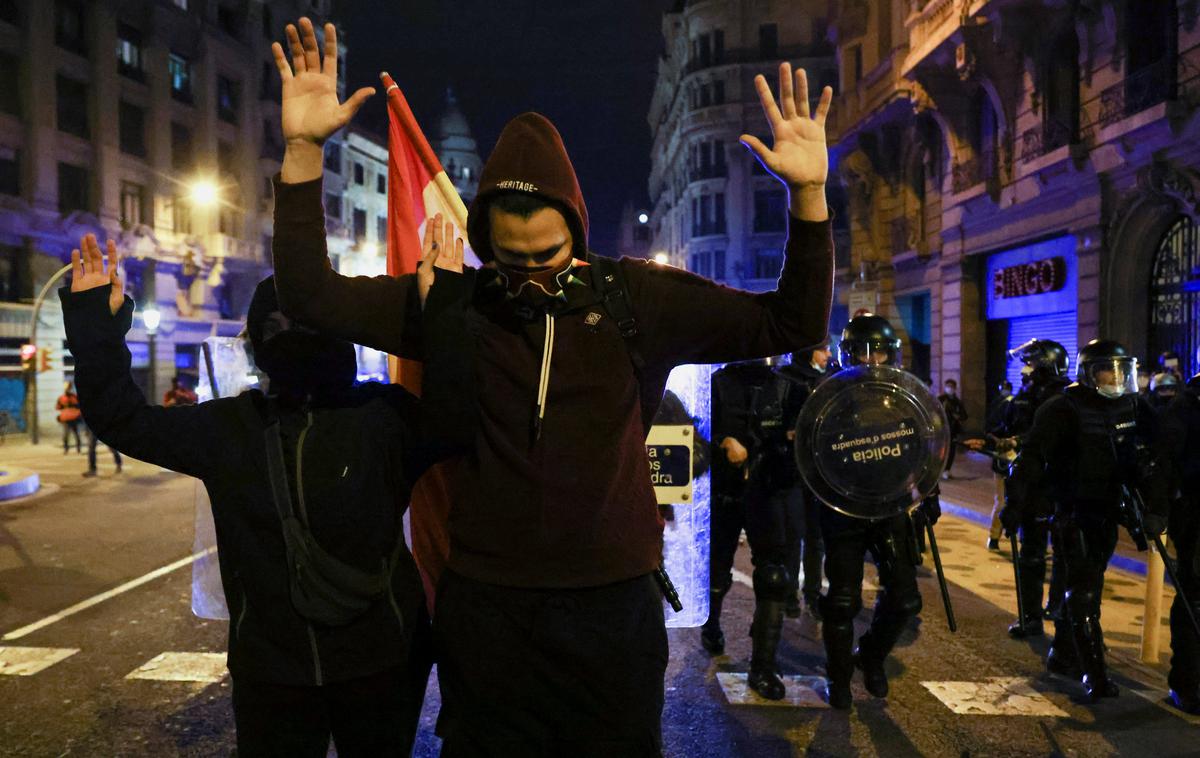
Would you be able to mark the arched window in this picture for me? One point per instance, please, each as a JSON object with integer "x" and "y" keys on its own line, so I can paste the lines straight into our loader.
{"x": 1061, "y": 115}
{"x": 1175, "y": 295}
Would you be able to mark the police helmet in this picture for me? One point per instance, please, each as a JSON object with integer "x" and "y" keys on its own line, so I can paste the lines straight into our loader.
{"x": 869, "y": 339}
{"x": 1048, "y": 355}
{"x": 1107, "y": 367}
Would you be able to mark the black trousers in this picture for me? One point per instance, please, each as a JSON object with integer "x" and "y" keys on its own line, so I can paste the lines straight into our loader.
{"x": 550, "y": 672}
{"x": 69, "y": 428}
{"x": 1185, "y": 647}
{"x": 370, "y": 716}
{"x": 805, "y": 545}
{"x": 1086, "y": 546}
{"x": 92, "y": 443}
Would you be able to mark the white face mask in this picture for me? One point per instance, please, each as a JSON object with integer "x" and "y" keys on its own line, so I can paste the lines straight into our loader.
{"x": 1110, "y": 390}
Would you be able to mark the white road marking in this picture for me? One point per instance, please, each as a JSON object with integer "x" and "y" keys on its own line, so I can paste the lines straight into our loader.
{"x": 97, "y": 599}
{"x": 997, "y": 696}
{"x": 27, "y": 661}
{"x": 182, "y": 667}
{"x": 802, "y": 691}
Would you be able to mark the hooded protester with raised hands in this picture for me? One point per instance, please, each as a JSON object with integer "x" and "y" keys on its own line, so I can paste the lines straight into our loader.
{"x": 308, "y": 483}
{"x": 549, "y": 624}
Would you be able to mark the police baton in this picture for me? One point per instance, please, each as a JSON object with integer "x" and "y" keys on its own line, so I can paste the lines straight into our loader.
{"x": 1016, "y": 562}
{"x": 941, "y": 577}
{"x": 1134, "y": 497}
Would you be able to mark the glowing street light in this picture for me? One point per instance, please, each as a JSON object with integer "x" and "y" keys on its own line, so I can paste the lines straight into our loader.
{"x": 662, "y": 258}
{"x": 643, "y": 218}
{"x": 369, "y": 249}
{"x": 204, "y": 193}
{"x": 151, "y": 317}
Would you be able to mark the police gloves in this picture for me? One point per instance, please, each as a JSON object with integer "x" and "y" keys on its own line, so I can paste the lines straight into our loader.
{"x": 1010, "y": 517}
{"x": 1154, "y": 524}
{"x": 928, "y": 512}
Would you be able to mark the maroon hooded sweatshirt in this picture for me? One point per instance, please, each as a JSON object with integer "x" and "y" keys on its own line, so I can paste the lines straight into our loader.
{"x": 572, "y": 505}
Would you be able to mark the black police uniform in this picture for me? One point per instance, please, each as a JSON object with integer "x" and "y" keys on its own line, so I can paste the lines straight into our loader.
{"x": 1036, "y": 512}
{"x": 1181, "y": 439}
{"x": 747, "y": 403}
{"x": 892, "y": 545}
{"x": 804, "y": 508}
{"x": 1082, "y": 448}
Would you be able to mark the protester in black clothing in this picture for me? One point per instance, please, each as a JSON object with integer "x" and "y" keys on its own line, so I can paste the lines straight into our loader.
{"x": 869, "y": 340}
{"x": 753, "y": 474}
{"x": 956, "y": 412}
{"x": 805, "y": 547}
{"x": 1085, "y": 445}
{"x": 1000, "y": 461}
{"x": 92, "y": 444}
{"x": 1180, "y": 426}
{"x": 315, "y": 475}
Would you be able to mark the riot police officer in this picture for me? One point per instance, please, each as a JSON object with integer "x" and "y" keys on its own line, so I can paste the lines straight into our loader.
{"x": 1046, "y": 361}
{"x": 805, "y": 546}
{"x": 868, "y": 340}
{"x": 1181, "y": 441}
{"x": 752, "y": 473}
{"x": 1085, "y": 446}
{"x": 1164, "y": 386}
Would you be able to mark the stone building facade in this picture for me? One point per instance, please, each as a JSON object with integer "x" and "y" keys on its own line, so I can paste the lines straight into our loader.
{"x": 1017, "y": 169}
{"x": 111, "y": 114}
{"x": 713, "y": 210}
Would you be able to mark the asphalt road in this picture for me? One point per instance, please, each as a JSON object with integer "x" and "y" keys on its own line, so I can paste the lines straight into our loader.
{"x": 82, "y": 538}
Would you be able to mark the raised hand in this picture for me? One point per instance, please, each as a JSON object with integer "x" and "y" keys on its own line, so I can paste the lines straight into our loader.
{"x": 438, "y": 252}
{"x": 798, "y": 156}
{"x": 311, "y": 111}
{"x": 88, "y": 272}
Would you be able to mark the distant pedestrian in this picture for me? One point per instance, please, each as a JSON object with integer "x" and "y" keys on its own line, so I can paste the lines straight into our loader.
{"x": 957, "y": 414}
{"x": 70, "y": 417}
{"x": 179, "y": 394}
{"x": 92, "y": 443}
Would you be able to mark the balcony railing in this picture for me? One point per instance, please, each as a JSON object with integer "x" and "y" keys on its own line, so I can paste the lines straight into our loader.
{"x": 900, "y": 234}
{"x": 716, "y": 171}
{"x": 1049, "y": 136}
{"x": 754, "y": 55}
{"x": 966, "y": 174}
{"x": 1138, "y": 91}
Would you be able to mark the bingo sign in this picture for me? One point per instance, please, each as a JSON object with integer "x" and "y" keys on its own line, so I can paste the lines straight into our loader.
{"x": 669, "y": 450}
{"x": 1033, "y": 280}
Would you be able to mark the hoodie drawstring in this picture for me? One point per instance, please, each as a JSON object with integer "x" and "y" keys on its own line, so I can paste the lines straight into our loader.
{"x": 544, "y": 377}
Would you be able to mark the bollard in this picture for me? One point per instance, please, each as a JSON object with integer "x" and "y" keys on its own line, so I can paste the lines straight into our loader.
{"x": 1152, "y": 612}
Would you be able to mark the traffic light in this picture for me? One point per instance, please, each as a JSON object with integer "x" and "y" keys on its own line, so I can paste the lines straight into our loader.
{"x": 28, "y": 355}
{"x": 44, "y": 359}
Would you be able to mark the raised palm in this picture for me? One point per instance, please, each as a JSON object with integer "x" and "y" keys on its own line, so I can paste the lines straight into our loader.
{"x": 88, "y": 272}
{"x": 310, "y": 108}
{"x": 798, "y": 156}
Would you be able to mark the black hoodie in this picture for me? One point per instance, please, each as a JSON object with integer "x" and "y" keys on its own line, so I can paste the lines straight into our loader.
{"x": 573, "y": 506}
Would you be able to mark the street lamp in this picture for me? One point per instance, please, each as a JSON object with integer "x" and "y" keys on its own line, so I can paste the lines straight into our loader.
{"x": 205, "y": 193}
{"x": 662, "y": 259}
{"x": 643, "y": 218}
{"x": 151, "y": 318}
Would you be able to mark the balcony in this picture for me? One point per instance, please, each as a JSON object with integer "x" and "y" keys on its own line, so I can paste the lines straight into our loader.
{"x": 226, "y": 246}
{"x": 1137, "y": 92}
{"x": 966, "y": 174}
{"x": 718, "y": 171}
{"x": 1046, "y": 138}
{"x": 754, "y": 55}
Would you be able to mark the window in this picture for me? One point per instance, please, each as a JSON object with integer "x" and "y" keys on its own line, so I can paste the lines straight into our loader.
{"x": 72, "y": 107}
{"x": 770, "y": 211}
{"x": 719, "y": 92}
{"x": 10, "y": 171}
{"x": 74, "y": 188}
{"x": 230, "y": 21}
{"x": 1061, "y": 114}
{"x": 360, "y": 224}
{"x": 179, "y": 210}
{"x": 10, "y": 84}
{"x": 767, "y": 264}
{"x": 718, "y": 46}
{"x": 227, "y": 100}
{"x": 718, "y": 265}
{"x": 268, "y": 26}
{"x": 701, "y": 263}
{"x": 856, "y": 58}
{"x": 229, "y": 221}
{"x": 333, "y": 206}
{"x": 719, "y": 213}
{"x": 181, "y": 147}
{"x": 381, "y": 229}
{"x": 272, "y": 141}
{"x": 69, "y": 32}
{"x": 359, "y": 174}
{"x": 180, "y": 71}
{"x": 134, "y": 208}
{"x": 333, "y": 158}
{"x": 768, "y": 41}
{"x": 131, "y": 125}
{"x": 129, "y": 52}
{"x": 226, "y": 158}
{"x": 381, "y": 182}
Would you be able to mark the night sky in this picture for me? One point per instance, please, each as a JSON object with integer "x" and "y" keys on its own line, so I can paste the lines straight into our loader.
{"x": 588, "y": 65}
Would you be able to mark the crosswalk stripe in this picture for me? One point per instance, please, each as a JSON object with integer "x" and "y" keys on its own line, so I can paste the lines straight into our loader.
{"x": 802, "y": 691}
{"x": 182, "y": 667}
{"x": 995, "y": 696}
{"x": 27, "y": 661}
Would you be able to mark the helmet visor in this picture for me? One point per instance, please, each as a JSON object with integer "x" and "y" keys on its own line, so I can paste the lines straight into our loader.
{"x": 869, "y": 353}
{"x": 1111, "y": 377}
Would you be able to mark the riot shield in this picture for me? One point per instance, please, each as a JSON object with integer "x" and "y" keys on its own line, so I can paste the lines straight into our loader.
{"x": 871, "y": 441}
{"x": 225, "y": 370}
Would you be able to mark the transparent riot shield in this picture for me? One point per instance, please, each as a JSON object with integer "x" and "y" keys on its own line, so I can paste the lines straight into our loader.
{"x": 686, "y": 534}
{"x": 225, "y": 370}
{"x": 871, "y": 441}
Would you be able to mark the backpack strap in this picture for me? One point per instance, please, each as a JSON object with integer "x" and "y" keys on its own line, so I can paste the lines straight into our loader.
{"x": 608, "y": 282}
